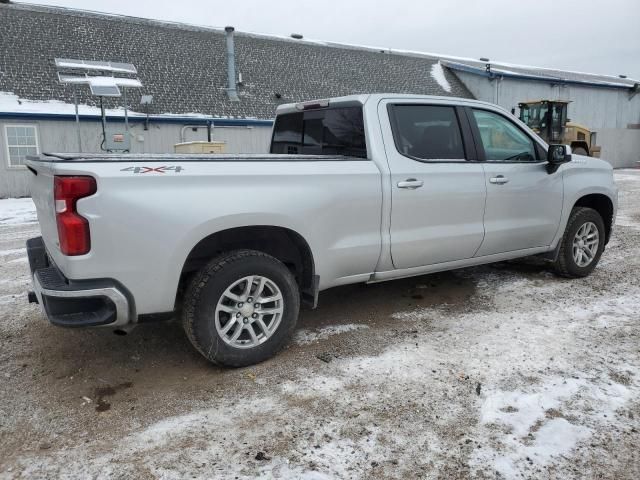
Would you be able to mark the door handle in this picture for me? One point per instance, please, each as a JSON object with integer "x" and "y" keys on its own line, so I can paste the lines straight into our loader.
{"x": 411, "y": 184}
{"x": 499, "y": 180}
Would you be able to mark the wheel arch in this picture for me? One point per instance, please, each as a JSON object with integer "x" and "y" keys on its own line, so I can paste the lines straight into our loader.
{"x": 282, "y": 243}
{"x": 602, "y": 204}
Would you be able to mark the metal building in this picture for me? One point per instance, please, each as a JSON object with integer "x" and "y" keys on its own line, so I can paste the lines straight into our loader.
{"x": 233, "y": 82}
{"x": 608, "y": 105}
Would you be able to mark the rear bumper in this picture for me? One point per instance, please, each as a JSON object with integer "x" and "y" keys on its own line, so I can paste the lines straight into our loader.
{"x": 76, "y": 303}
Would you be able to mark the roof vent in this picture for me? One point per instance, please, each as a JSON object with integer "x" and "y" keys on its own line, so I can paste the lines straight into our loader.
{"x": 297, "y": 36}
{"x": 231, "y": 65}
{"x": 483, "y": 59}
{"x": 622, "y": 76}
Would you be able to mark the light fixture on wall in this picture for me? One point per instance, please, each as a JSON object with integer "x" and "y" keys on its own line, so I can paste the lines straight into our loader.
{"x": 146, "y": 101}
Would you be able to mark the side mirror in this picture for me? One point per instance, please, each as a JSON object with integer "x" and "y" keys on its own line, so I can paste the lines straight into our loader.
{"x": 557, "y": 155}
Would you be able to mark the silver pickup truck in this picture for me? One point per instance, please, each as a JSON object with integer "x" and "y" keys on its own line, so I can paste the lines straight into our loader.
{"x": 363, "y": 188}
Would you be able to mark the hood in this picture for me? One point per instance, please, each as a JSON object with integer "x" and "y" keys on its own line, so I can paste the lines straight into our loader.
{"x": 592, "y": 163}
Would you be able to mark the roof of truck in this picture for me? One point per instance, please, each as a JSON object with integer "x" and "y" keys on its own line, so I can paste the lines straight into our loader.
{"x": 376, "y": 97}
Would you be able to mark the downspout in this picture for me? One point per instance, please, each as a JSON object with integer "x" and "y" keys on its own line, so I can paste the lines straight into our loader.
{"x": 231, "y": 66}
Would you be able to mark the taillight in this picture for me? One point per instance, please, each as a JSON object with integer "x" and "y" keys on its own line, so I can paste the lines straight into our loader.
{"x": 73, "y": 229}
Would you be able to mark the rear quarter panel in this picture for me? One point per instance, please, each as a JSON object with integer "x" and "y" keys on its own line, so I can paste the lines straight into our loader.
{"x": 143, "y": 226}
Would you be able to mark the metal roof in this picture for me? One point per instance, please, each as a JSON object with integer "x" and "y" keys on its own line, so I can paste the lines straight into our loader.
{"x": 507, "y": 70}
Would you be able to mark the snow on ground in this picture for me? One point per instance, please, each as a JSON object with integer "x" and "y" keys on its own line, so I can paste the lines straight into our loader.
{"x": 503, "y": 371}
{"x": 303, "y": 337}
{"x": 12, "y": 251}
{"x": 517, "y": 426}
{"x": 17, "y": 211}
{"x": 437, "y": 73}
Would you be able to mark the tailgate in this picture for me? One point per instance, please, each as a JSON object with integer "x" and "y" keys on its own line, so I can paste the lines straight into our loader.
{"x": 42, "y": 195}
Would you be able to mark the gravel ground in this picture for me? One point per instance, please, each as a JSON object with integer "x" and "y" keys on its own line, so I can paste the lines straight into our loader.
{"x": 502, "y": 371}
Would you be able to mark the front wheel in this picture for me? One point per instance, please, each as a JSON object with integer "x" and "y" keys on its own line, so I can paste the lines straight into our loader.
{"x": 241, "y": 308}
{"x": 582, "y": 243}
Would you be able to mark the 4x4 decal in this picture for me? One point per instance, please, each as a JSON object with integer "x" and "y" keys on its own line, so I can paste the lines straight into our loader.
{"x": 163, "y": 169}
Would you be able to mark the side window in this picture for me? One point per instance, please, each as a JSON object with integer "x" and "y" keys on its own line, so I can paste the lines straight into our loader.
{"x": 22, "y": 140}
{"x": 287, "y": 134}
{"x": 427, "y": 132}
{"x": 502, "y": 140}
{"x": 332, "y": 131}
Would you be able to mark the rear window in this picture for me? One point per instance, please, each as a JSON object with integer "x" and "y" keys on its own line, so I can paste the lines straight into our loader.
{"x": 427, "y": 132}
{"x": 332, "y": 131}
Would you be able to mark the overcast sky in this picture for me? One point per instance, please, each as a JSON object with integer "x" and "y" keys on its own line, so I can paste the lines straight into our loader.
{"x": 586, "y": 35}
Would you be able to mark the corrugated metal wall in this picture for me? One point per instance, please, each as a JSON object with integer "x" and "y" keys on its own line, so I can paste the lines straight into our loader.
{"x": 61, "y": 136}
{"x": 604, "y": 110}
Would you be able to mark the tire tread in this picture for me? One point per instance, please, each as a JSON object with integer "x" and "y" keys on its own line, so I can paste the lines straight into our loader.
{"x": 562, "y": 266}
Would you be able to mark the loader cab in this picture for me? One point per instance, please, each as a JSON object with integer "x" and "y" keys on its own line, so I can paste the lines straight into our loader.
{"x": 545, "y": 117}
{"x": 548, "y": 118}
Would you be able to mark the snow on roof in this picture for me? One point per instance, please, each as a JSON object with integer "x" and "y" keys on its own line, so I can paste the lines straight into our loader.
{"x": 100, "y": 80}
{"x": 10, "y": 103}
{"x": 437, "y": 73}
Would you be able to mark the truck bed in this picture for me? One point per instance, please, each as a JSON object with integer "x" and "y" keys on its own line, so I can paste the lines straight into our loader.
{"x": 146, "y": 218}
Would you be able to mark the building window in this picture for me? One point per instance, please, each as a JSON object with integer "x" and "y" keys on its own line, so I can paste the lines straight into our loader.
{"x": 22, "y": 140}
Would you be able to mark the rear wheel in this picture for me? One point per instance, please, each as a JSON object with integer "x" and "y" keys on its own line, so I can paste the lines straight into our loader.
{"x": 582, "y": 243}
{"x": 241, "y": 308}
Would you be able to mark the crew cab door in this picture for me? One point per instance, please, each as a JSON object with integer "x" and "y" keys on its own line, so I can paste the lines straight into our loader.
{"x": 437, "y": 194}
{"x": 524, "y": 202}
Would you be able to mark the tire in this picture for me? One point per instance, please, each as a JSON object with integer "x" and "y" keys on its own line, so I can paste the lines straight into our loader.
{"x": 580, "y": 151}
{"x": 211, "y": 301}
{"x": 566, "y": 264}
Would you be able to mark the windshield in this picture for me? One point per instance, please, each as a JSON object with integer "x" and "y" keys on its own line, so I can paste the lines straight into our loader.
{"x": 534, "y": 116}
{"x": 330, "y": 131}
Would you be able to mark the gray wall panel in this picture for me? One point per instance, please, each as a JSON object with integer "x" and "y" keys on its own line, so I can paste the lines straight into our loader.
{"x": 61, "y": 136}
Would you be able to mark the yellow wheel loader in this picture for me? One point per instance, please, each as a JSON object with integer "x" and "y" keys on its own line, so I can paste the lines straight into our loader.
{"x": 548, "y": 118}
